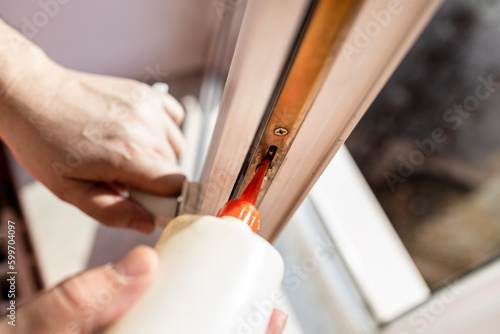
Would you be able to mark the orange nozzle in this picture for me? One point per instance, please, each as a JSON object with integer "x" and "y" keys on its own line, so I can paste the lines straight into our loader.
{"x": 244, "y": 208}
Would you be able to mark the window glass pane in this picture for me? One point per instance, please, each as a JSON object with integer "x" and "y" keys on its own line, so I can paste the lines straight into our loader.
{"x": 429, "y": 144}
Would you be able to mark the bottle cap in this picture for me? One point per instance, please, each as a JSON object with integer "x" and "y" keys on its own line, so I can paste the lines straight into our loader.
{"x": 244, "y": 211}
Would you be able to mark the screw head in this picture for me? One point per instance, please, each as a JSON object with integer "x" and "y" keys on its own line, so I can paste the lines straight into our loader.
{"x": 280, "y": 131}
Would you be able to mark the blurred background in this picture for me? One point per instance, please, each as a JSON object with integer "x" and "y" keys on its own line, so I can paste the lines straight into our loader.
{"x": 429, "y": 146}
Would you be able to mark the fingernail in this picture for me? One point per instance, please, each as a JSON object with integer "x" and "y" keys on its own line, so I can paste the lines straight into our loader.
{"x": 132, "y": 265}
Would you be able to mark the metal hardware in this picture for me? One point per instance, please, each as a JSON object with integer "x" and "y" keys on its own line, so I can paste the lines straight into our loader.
{"x": 280, "y": 131}
{"x": 304, "y": 76}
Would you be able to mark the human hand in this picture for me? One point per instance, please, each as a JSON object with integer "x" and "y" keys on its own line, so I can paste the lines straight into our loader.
{"x": 88, "y": 137}
{"x": 89, "y": 301}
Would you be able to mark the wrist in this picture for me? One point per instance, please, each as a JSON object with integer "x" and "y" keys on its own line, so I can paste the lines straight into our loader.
{"x": 22, "y": 66}
{"x": 24, "y": 84}
{"x": 18, "y": 56}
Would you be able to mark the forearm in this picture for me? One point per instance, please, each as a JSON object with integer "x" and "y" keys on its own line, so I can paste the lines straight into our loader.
{"x": 24, "y": 68}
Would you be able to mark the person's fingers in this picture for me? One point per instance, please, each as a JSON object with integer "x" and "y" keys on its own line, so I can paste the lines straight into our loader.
{"x": 277, "y": 322}
{"x": 173, "y": 108}
{"x": 175, "y": 137}
{"x": 155, "y": 175}
{"x": 107, "y": 206}
{"x": 92, "y": 300}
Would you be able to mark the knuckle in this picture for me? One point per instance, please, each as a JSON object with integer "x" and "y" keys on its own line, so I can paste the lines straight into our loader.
{"x": 181, "y": 112}
{"x": 73, "y": 293}
{"x": 128, "y": 153}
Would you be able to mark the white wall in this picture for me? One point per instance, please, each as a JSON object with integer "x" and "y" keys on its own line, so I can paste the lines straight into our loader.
{"x": 118, "y": 37}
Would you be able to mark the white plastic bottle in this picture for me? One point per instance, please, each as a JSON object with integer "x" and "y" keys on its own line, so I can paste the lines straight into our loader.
{"x": 215, "y": 276}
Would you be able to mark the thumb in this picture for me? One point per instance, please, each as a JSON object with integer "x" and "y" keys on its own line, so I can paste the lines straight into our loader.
{"x": 99, "y": 201}
{"x": 92, "y": 300}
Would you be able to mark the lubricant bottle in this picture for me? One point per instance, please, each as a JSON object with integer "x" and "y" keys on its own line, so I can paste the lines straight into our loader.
{"x": 215, "y": 274}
